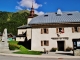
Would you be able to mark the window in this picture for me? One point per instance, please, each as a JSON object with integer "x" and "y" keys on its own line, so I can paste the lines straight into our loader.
{"x": 75, "y": 29}
{"x": 45, "y": 43}
{"x": 44, "y": 31}
{"x": 59, "y": 30}
{"x": 69, "y": 14}
{"x": 45, "y": 15}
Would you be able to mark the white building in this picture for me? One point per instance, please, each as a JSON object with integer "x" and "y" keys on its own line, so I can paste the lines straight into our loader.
{"x": 56, "y": 29}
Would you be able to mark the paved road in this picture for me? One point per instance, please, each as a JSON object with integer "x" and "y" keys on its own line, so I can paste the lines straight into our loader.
{"x": 21, "y": 58}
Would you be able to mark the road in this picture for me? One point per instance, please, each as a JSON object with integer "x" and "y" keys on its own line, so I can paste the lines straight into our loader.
{"x": 22, "y": 58}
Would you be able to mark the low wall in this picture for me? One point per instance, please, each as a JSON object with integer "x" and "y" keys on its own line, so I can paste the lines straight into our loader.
{"x": 77, "y": 52}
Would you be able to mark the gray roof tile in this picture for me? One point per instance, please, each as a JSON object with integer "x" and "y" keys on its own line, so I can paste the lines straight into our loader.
{"x": 23, "y": 26}
{"x": 53, "y": 18}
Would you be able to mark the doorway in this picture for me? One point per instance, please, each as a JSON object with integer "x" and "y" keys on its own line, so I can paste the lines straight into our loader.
{"x": 60, "y": 45}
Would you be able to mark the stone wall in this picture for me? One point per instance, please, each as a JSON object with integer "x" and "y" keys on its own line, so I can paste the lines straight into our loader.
{"x": 77, "y": 52}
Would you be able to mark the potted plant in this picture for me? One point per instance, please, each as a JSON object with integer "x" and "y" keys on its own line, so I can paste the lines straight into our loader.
{"x": 69, "y": 49}
{"x": 53, "y": 49}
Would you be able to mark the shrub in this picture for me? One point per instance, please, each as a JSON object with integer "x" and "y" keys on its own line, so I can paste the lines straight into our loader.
{"x": 69, "y": 49}
{"x": 13, "y": 46}
{"x": 53, "y": 49}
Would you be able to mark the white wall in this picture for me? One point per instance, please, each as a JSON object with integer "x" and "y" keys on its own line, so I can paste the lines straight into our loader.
{"x": 37, "y": 37}
{"x": 21, "y": 30}
{"x": 29, "y": 19}
{"x": 20, "y": 38}
{"x": 28, "y": 34}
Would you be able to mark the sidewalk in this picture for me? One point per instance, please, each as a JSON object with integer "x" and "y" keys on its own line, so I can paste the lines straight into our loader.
{"x": 37, "y": 56}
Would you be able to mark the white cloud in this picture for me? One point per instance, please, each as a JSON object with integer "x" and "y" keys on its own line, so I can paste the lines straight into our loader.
{"x": 39, "y": 13}
{"x": 19, "y": 8}
{"x": 28, "y": 4}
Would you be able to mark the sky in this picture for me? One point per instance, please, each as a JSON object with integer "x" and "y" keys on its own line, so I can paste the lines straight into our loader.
{"x": 40, "y": 6}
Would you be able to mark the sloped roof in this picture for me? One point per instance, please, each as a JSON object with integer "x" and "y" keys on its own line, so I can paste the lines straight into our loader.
{"x": 23, "y": 27}
{"x": 65, "y": 17}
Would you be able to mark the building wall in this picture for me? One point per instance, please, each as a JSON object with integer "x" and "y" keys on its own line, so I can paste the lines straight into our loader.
{"x": 28, "y": 34}
{"x": 21, "y": 30}
{"x": 29, "y": 19}
{"x": 37, "y": 37}
{"x": 20, "y": 38}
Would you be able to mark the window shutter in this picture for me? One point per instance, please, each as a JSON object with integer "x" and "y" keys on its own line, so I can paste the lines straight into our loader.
{"x": 41, "y": 43}
{"x": 56, "y": 30}
{"x": 47, "y": 30}
{"x": 63, "y": 30}
{"x": 41, "y": 31}
{"x": 78, "y": 29}
{"x": 47, "y": 43}
{"x": 73, "y": 30}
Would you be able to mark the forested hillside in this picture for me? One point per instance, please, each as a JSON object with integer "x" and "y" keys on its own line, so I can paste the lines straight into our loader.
{"x": 12, "y": 20}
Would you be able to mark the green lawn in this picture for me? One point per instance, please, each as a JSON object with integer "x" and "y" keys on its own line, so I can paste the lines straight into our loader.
{"x": 22, "y": 49}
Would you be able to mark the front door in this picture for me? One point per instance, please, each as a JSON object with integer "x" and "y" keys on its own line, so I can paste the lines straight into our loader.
{"x": 60, "y": 45}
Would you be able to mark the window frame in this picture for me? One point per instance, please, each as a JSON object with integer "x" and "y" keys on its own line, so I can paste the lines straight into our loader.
{"x": 73, "y": 29}
{"x": 58, "y": 31}
{"x": 44, "y": 42}
{"x": 43, "y": 31}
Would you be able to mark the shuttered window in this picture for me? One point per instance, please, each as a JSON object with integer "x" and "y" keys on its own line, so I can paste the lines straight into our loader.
{"x": 41, "y": 43}
{"x": 75, "y": 29}
{"x": 41, "y": 31}
{"x": 56, "y": 30}
{"x": 59, "y": 30}
{"x": 78, "y": 29}
{"x": 45, "y": 43}
{"x": 44, "y": 31}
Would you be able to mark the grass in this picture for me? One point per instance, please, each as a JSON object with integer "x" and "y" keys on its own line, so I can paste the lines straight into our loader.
{"x": 23, "y": 50}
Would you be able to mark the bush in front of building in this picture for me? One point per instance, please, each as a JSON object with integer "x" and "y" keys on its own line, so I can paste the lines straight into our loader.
{"x": 13, "y": 46}
{"x": 69, "y": 49}
{"x": 53, "y": 49}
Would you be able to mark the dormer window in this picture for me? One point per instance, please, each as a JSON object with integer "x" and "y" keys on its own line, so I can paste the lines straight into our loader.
{"x": 69, "y": 14}
{"x": 45, "y": 15}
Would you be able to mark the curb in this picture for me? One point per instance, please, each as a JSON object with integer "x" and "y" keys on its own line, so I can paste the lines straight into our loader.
{"x": 38, "y": 56}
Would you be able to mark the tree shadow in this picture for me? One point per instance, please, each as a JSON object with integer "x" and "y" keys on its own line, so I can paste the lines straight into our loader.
{"x": 26, "y": 43}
